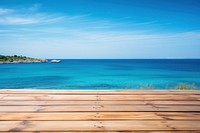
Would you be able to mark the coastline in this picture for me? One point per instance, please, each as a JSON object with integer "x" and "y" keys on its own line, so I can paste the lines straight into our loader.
{"x": 15, "y": 59}
{"x": 24, "y": 62}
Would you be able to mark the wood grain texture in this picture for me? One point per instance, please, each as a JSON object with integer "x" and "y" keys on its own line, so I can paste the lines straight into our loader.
{"x": 101, "y": 92}
{"x": 97, "y": 125}
{"x": 99, "y": 108}
{"x": 115, "y": 111}
{"x": 52, "y": 97}
{"x": 113, "y": 132}
{"x": 99, "y": 116}
{"x": 79, "y": 102}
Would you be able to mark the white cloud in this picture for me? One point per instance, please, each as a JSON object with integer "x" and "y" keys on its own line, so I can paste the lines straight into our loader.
{"x": 82, "y": 36}
{"x": 5, "y": 11}
{"x": 100, "y": 37}
{"x": 75, "y": 43}
{"x": 17, "y": 20}
{"x": 27, "y": 16}
{"x": 34, "y": 19}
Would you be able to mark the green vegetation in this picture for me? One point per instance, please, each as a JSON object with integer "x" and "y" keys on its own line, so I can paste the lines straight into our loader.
{"x": 184, "y": 86}
{"x": 18, "y": 59}
{"x": 12, "y": 58}
{"x": 181, "y": 86}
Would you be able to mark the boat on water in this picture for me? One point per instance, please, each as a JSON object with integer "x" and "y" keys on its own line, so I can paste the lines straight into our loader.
{"x": 55, "y": 61}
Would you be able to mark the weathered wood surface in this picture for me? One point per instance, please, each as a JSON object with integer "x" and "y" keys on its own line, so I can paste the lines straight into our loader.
{"x": 117, "y": 97}
{"x": 115, "y": 111}
{"x": 68, "y": 116}
{"x": 104, "y": 92}
{"x": 118, "y": 103}
{"x": 112, "y": 132}
{"x": 99, "y": 108}
{"x": 98, "y": 125}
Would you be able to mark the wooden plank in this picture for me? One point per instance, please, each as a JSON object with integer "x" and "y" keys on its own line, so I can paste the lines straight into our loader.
{"x": 100, "y": 116}
{"x": 50, "y": 103}
{"x": 99, "y": 111}
{"x": 97, "y": 125}
{"x": 102, "y": 92}
{"x": 114, "y": 132}
{"x": 98, "y": 108}
{"x": 97, "y": 97}
{"x": 108, "y": 95}
{"x": 182, "y": 102}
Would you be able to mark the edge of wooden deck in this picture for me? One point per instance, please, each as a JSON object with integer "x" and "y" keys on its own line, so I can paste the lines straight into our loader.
{"x": 111, "y": 111}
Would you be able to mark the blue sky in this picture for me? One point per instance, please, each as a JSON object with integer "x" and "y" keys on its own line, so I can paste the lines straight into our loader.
{"x": 100, "y": 28}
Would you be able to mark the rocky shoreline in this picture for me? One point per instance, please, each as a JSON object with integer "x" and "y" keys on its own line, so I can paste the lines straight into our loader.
{"x": 19, "y": 59}
{"x": 18, "y": 62}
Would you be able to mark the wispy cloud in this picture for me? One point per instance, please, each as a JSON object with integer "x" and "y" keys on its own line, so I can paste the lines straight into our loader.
{"x": 33, "y": 15}
{"x": 26, "y": 16}
{"x": 80, "y": 43}
{"x": 87, "y": 35}
{"x": 5, "y": 11}
{"x": 100, "y": 36}
{"x": 34, "y": 19}
{"x": 17, "y": 20}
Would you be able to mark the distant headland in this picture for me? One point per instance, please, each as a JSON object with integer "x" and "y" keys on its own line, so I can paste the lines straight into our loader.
{"x": 19, "y": 59}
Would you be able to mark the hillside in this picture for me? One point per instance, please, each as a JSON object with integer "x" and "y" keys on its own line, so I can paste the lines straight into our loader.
{"x": 19, "y": 59}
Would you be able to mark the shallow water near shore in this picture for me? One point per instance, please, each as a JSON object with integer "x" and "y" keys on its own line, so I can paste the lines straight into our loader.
{"x": 101, "y": 74}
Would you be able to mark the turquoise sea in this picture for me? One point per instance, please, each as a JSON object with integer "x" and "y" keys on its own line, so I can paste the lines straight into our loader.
{"x": 101, "y": 74}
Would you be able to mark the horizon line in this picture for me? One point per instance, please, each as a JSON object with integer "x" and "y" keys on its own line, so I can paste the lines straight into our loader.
{"x": 118, "y": 58}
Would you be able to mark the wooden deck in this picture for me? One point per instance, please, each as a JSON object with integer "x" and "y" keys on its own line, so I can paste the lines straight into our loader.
{"x": 42, "y": 111}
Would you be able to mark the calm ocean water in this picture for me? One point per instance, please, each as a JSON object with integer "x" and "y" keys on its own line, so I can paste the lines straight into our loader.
{"x": 101, "y": 74}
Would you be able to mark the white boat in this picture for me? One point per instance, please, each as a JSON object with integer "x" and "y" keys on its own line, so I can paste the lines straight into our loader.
{"x": 55, "y": 61}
